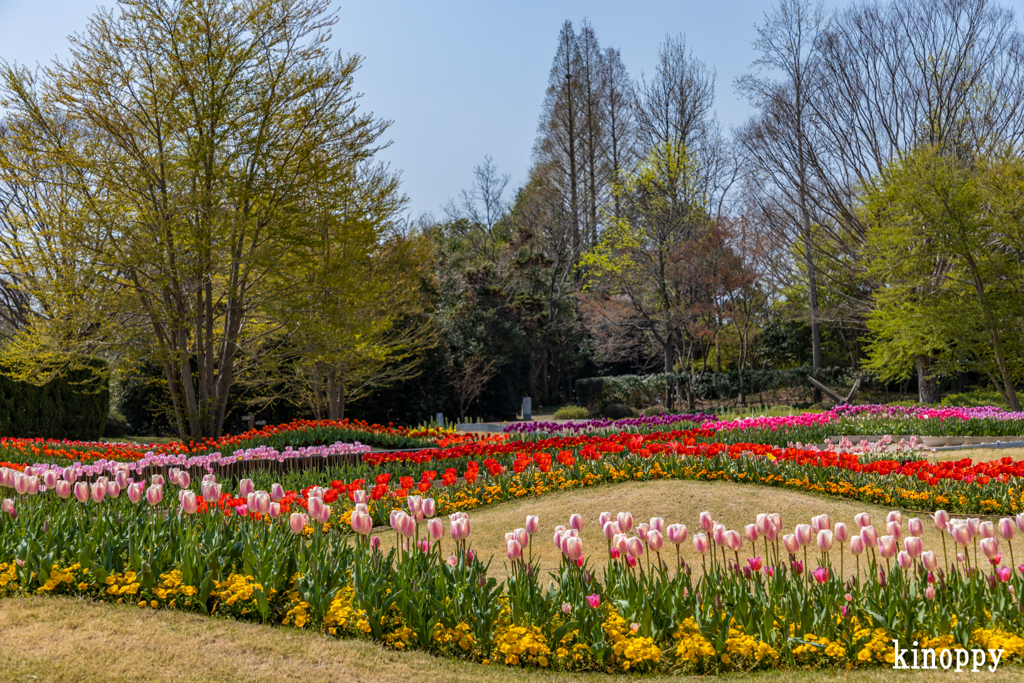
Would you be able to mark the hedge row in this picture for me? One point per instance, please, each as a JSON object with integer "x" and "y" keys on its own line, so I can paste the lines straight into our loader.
{"x": 71, "y": 407}
{"x": 644, "y": 390}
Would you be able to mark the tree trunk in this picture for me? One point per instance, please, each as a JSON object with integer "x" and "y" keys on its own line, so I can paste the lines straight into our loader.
{"x": 927, "y": 387}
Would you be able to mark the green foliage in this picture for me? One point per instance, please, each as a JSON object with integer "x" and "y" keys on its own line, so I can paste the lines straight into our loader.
{"x": 974, "y": 399}
{"x": 654, "y": 410}
{"x": 571, "y": 413}
{"x": 73, "y": 406}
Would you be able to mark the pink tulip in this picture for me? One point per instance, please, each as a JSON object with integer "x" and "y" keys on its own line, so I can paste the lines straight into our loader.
{"x": 1007, "y": 529}
{"x": 276, "y": 492}
{"x": 430, "y": 507}
{"x": 776, "y": 520}
{"x": 791, "y": 543}
{"x": 604, "y": 518}
{"x": 755, "y": 563}
{"x": 361, "y": 522}
{"x": 315, "y": 506}
{"x": 820, "y": 574}
{"x": 677, "y": 533}
{"x": 316, "y": 492}
{"x": 804, "y": 534}
{"x": 940, "y": 519}
{"x": 929, "y": 592}
{"x": 574, "y": 548}
{"x": 262, "y": 502}
{"x": 914, "y": 546}
{"x": 862, "y": 519}
{"x": 98, "y": 491}
{"x": 245, "y": 487}
{"x": 156, "y": 480}
{"x": 20, "y": 483}
{"x": 9, "y": 509}
{"x": 63, "y": 489}
{"x": 113, "y": 489}
{"x": 990, "y": 546}
{"x": 887, "y": 547}
{"x": 625, "y": 521}
{"x": 513, "y": 550}
{"x": 733, "y": 541}
{"x": 751, "y": 532}
{"x": 869, "y": 535}
{"x": 136, "y": 492}
{"x": 842, "y": 533}
{"x": 894, "y": 529}
{"x": 700, "y": 543}
{"x": 658, "y": 524}
{"x": 718, "y": 534}
{"x": 706, "y": 522}
{"x": 904, "y": 560}
{"x": 375, "y": 542}
{"x": 189, "y": 502}
{"x": 184, "y": 480}
{"x": 825, "y": 539}
{"x": 894, "y": 516}
{"x": 415, "y": 504}
{"x": 1004, "y": 574}
{"x": 929, "y": 560}
{"x": 33, "y": 485}
{"x": 82, "y": 491}
{"x": 641, "y": 531}
{"x": 974, "y": 526}
{"x": 154, "y": 494}
{"x": 857, "y": 545}
{"x": 610, "y": 529}
{"x": 915, "y": 527}
{"x": 635, "y": 547}
{"x": 297, "y": 522}
{"x": 820, "y": 522}
{"x": 50, "y": 479}
{"x": 435, "y": 528}
{"x": 532, "y": 524}
{"x": 274, "y": 511}
{"x": 1020, "y": 522}
{"x": 762, "y": 521}
{"x": 961, "y": 534}
{"x": 987, "y": 529}
{"x": 211, "y": 491}
{"x": 621, "y": 543}
{"x": 575, "y": 522}
{"x": 70, "y": 475}
{"x": 521, "y": 536}
{"x": 655, "y": 541}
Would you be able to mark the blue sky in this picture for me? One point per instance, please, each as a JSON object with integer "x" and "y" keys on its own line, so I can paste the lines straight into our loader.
{"x": 461, "y": 79}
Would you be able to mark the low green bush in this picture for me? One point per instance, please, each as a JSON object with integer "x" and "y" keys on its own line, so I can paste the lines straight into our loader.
{"x": 572, "y": 413}
{"x": 656, "y": 409}
{"x": 974, "y": 399}
{"x": 618, "y": 411}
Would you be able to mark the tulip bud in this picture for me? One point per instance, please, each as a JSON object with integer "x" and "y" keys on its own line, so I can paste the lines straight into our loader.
{"x": 929, "y": 592}
{"x": 154, "y": 494}
{"x": 297, "y": 522}
{"x": 532, "y": 524}
{"x": 706, "y": 522}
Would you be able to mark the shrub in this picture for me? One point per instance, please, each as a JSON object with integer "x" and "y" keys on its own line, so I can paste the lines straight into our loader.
{"x": 117, "y": 425}
{"x": 572, "y": 413}
{"x": 74, "y": 406}
{"x": 656, "y": 409}
{"x": 618, "y": 411}
{"x": 974, "y": 399}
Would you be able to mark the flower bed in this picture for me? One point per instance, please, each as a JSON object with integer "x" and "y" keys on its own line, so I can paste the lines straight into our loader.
{"x": 635, "y": 603}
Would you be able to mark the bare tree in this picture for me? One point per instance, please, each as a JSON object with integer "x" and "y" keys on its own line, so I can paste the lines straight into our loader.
{"x": 480, "y": 209}
{"x": 620, "y": 131}
{"x": 779, "y": 141}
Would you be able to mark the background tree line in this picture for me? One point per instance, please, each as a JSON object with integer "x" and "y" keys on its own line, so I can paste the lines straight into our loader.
{"x": 194, "y": 198}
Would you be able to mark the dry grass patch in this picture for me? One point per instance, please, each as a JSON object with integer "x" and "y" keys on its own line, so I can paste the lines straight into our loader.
{"x": 67, "y": 639}
{"x": 977, "y": 454}
{"x": 734, "y": 505}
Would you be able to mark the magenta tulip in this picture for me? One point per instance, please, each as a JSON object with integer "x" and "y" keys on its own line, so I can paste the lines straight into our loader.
{"x": 1004, "y": 574}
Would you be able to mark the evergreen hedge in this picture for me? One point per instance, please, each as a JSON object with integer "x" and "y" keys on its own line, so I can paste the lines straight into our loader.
{"x": 74, "y": 406}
